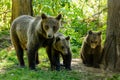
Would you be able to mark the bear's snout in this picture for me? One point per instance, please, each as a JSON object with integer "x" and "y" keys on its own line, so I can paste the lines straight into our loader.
{"x": 50, "y": 36}
{"x": 65, "y": 52}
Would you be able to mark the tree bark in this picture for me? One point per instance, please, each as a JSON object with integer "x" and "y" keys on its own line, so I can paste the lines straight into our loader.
{"x": 21, "y": 7}
{"x": 111, "y": 53}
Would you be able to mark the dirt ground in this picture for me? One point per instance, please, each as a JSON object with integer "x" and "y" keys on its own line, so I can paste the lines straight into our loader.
{"x": 80, "y": 67}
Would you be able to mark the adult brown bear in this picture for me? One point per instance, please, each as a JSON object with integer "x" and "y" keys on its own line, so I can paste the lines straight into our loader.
{"x": 91, "y": 51}
{"x": 60, "y": 46}
{"x": 31, "y": 33}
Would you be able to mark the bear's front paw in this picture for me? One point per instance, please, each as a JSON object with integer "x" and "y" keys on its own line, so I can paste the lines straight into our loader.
{"x": 88, "y": 65}
{"x": 96, "y": 66}
{"x": 68, "y": 69}
{"x": 57, "y": 68}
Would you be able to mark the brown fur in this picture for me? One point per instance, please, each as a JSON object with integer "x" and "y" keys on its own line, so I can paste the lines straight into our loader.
{"x": 60, "y": 46}
{"x": 91, "y": 51}
{"x": 30, "y": 33}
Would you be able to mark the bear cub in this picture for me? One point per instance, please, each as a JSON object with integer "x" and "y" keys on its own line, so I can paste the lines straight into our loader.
{"x": 91, "y": 50}
{"x": 31, "y": 33}
{"x": 60, "y": 47}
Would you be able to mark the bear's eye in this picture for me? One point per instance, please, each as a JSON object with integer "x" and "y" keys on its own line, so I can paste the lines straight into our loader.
{"x": 95, "y": 41}
{"x": 92, "y": 41}
{"x": 54, "y": 28}
{"x": 46, "y": 27}
{"x": 62, "y": 47}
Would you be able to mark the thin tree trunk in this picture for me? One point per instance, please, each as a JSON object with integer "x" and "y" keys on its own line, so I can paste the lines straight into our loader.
{"x": 111, "y": 58}
{"x": 21, "y": 7}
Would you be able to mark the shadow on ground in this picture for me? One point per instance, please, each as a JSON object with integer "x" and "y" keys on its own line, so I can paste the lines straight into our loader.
{"x": 77, "y": 65}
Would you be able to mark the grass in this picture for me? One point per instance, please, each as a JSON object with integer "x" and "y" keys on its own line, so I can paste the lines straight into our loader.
{"x": 26, "y": 74}
{"x": 10, "y": 70}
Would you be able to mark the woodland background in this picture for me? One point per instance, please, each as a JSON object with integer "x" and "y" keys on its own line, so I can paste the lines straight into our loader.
{"x": 79, "y": 16}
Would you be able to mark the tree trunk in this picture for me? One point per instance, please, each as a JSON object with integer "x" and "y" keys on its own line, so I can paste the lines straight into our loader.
{"x": 111, "y": 53}
{"x": 21, "y": 7}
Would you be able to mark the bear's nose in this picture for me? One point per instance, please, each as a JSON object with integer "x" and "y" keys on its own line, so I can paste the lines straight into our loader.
{"x": 49, "y": 36}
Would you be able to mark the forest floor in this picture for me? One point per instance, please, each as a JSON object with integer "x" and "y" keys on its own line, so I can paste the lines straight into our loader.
{"x": 102, "y": 74}
{"x": 95, "y": 73}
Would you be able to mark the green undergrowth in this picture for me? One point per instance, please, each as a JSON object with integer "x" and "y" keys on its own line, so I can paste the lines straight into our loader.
{"x": 10, "y": 70}
{"x": 26, "y": 74}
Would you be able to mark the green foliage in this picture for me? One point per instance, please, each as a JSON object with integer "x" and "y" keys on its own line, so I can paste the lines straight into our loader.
{"x": 5, "y": 14}
{"x": 79, "y": 16}
{"x": 115, "y": 77}
{"x": 4, "y": 39}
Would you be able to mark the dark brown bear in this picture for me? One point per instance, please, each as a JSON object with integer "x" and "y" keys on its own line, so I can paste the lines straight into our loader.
{"x": 31, "y": 33}
{"x": 60, "y": 46}
{"x": 91, "y": 50}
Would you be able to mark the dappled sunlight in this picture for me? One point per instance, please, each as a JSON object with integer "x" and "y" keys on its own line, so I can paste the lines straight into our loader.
{"x": 7, "y": 59}
{"x": 78, "y": 16}
{"x": 9, "y": 65}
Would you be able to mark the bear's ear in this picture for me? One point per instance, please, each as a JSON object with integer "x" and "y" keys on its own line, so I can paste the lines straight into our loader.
{"x": 67, "y": 38}
{"x": 90, "y": 32}
{"x": 57, "y": 39}
{"x": 99, "y": 33}
{"x": 59, "y": 17}
{"x": 43, "y": 16}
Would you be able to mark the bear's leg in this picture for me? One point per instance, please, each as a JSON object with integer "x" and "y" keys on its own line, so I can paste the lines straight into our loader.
{"x": 19, "y": 51}
{"x": 18, "y": 48}
{"x": 56, "y": 60}
{"x": 48, "y": 50}
{"x": 67, "y": 61}
{"x": 31, "y": 58}
{"x": 37, "y": 58}
{"x": 83, "y": 59}
{"x": 20, "y": 56}
{"x": 96, "y": 61}
{"x": 31, "y": 52}
{"x": 88, "y": 60}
